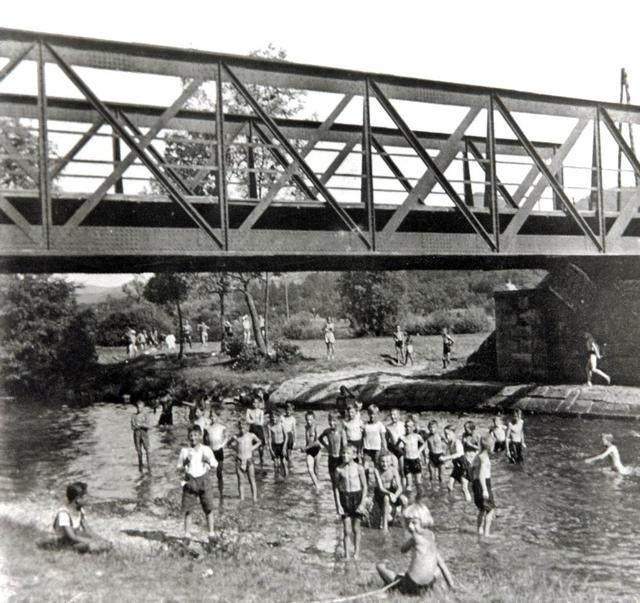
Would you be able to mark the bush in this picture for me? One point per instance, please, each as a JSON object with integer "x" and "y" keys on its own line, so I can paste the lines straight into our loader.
{"x": 286, "y": 352}
{"x": 303, "y": 325}
{"x": 467, "y": 320}
{"x": 112, "y": 327}
{"x": 249, "y": 358}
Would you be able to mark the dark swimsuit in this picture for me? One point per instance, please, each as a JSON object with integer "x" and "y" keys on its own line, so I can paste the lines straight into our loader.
{"x": 313, "y": 450}
{"x": 484, "y": 504}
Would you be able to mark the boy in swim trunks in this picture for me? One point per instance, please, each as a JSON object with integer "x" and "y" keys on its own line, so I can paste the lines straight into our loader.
{"x": 412, "y": 445}
{"x": 289, "y": 424}
{"x": 334, "y": 440}
{"x": 611, "y": 451}
{"x": 352, "y": 426}
{"x": 515, "y": 437}
{"x": 482, "y": 494}
{"x": 255, "y": 419}
{"x": 435, "y": 446}
{"x": 193, "y": 465}
{"x": 352, "y": 494}
{"x": 245, "y": 443}
{"x": 426, "y": 561}
{"x": 388, "y": 490}
{"x": 215, "y": 436}
{"x": 277, "y": 438}
{"x": 455, "y": 454}
{"x": 140, "y": 425}
{"x": 312, "y": 447}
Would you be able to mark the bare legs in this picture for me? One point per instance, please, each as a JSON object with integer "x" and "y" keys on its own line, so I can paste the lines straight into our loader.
{"x": 351, "y": 528}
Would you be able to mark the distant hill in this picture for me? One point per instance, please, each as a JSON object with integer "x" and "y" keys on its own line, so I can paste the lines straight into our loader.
{"x": 94, "y": 294}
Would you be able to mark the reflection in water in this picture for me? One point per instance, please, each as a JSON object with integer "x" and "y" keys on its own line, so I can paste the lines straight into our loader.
{"x": 553, "y": 512}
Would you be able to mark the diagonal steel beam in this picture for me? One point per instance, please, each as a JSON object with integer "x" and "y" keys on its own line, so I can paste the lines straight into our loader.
{"x": 631, "y": 206}
{"x": 313, "y": 139}
{"x": 18, "y": 219}
{"x": 391, "y": 164}
{"x": 514, "y": 226}
{"x": 14, "y": 61}
{"x": 290, "y": 149}
{"x": 139, "y": 150}
{"x": 22, "y": 162}
{"x": 431, "y": 164}
{"x": 61, "y": 163}
{"x": 157, "y": 155}
{"x": 546, "y": 172}
{"x": 502, "y": 189}
{"x": 426, "y": 183}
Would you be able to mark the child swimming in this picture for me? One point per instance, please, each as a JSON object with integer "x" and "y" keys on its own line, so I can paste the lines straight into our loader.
{"x": 611, "y": 452}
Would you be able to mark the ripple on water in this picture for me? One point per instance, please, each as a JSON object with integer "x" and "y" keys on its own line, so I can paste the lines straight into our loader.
{"x": 553, "y": 512}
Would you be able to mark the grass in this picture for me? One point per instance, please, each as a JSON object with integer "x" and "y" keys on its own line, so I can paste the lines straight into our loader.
{"x": 199, "y": 366}
{"x": 251, "y": 573}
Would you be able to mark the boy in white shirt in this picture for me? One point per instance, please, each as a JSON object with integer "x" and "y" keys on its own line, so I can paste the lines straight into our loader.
{"x": 194, "y": 463}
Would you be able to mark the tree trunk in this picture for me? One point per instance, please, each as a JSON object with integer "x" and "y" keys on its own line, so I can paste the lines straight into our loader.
{"x": 180, "y": 336}
{"x": 253, "y": 313}
{"x": 266, "y": 308}
{"x": 223, "y": 299}
{"x": 286, "y": 296}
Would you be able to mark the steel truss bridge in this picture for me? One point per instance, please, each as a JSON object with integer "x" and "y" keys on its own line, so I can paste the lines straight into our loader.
{"x": 127, "y": 157}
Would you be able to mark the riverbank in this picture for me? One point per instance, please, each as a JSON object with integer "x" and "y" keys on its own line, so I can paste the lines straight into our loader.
{"x": 149, "y": 563}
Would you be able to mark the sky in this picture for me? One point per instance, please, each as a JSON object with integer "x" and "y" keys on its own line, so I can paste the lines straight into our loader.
{"x": 566, "y": 48}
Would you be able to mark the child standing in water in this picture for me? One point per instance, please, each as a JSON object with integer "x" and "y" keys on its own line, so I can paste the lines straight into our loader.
{"x": 278, "y": 439}
{"x": 255, "y": 420}
{"x": 412, "y": 445}
{"x": 455, "y": 454}
{"x": 611, "y": 452}
{"x": 482, "y": 494}
{"x": 193, "y": 465}
{"x": 245, "y": 444}
{"x": 216, "y": 438}
{"x": 515, "y": 437}
{"x": 388, "y": 490}
{"x": 140, "y": 425}
{"x": 352, "y": 494}
{"x": 374, "y": 433}
{"x": 395, "y": 430}
{"x": 421, "y": 574}
{"x": 334, "y": 440}
{"x": 352, "y": 426}
{"x": 289, "y": 424}
{"x": 312, "y": 447}
{"x": 499, "y": 435}
{"x": 436, "y": 451}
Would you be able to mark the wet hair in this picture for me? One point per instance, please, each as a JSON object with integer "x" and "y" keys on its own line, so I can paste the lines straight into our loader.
{"x": 421, "y": 513}
{"x": 608, "y": 438}
{"x": 195, "y": 428}
{"x": 309, "y": 413}
{"x": 352, "y": 448}
{"x": 372, "y": 409}
{"x": 76, "y": 490}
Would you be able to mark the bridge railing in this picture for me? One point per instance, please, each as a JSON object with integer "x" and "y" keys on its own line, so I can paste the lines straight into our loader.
{"x": 101, "y": 141}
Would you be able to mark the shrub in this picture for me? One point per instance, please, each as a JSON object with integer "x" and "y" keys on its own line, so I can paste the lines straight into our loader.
{"x": 467, "y": 320}
{"x": 303, "y": 325}
{"x": 112, "y": 327}
{"x": 286, "y": 352}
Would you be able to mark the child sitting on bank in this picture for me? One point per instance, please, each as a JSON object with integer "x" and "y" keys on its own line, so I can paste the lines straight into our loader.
{"x": 352, "y": 495}
{"x": 422, "y": 572}
{"x": 611, "y": 451}
{"x": 71, "y": 527}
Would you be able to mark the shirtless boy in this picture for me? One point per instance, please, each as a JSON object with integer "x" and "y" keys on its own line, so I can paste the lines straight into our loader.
{"x": 436, "y": 451}
{"x": 334, "y": 440}
{"x": 277, "y": 438}
{"x": 215, "y": 437}
{"x": 412, "y": 445}
{"x": 245, "y": 444}
{"x": 388, "y": 490}
{"x": 455, "y": 454}
{"x": 352, "y": 426}
{"x": 395, "y": 430}
{"x": 426, "y": 562}
{"x": 140, "y": 425}
{"x": 352, "y": 494}
{"x": 515, "y": 437}
{"x": 312, "y": 447}
{"x": 499, "y": 435}
{"x": 289, "y": 424}
{"x": 611, "y": 452}
{"x": 255, "y": 420}
{"x": 482, "y": 494}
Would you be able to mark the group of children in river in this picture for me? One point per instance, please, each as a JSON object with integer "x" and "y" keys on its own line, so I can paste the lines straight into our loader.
{"x": 375, "y": 470}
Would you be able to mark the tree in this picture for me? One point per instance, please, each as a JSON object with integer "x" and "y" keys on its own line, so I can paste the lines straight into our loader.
{"x": 47, "y": 340}
{"x": 243, "y": 282}
{"x": 371, "y": 300}
{"x": 134, "y": 289}
{"x": 206, "y": 284}
{"x": 166, "y": 289}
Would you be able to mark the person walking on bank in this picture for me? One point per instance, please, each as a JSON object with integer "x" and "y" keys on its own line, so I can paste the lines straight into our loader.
{"x": 398, "y": 343}
{"x": 593, "y": 355}
{"x": 330, "y": 338}
{"x": 447, "y": 345}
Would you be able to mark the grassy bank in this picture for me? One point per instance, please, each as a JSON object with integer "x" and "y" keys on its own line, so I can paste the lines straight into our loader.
{"x": 200, "y": 368}
{"x": 247, "y": 573}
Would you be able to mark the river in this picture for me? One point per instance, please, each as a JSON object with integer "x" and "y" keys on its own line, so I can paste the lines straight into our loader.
{"x": 554, "y": 513}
